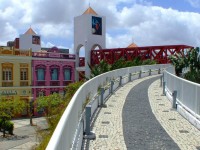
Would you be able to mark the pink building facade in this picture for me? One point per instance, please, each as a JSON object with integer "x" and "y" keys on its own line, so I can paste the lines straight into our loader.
{"x": 52, "y": 71}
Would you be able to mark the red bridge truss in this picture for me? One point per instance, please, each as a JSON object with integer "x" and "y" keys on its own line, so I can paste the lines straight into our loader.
{"x": 157, "y": 53}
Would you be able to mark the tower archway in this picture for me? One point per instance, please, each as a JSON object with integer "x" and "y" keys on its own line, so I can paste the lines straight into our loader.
{"x": 80, "y": 61}
{"x": 89, "y": 32}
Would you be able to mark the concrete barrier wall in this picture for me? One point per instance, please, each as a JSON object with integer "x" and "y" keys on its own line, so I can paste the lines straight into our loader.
{"x": 187, "y": 98}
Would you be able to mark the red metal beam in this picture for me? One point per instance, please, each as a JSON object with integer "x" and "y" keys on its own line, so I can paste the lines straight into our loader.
{"x": 157, "y": 53}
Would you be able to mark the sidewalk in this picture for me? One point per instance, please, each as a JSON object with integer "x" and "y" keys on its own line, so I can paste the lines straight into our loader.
{"x": 25, "y": 136}
{"x": 155, "y": 125}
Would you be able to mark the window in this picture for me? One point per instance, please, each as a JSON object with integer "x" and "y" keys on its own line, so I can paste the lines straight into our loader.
{"x": 7, "y": 74}
{"x": 41, "y": 93}
{"x": 24, "y": 74}
{"x": 40, "y": 74}
{"x": 67, "y": 74}
{"x": 54, "y": 74}
{"x": 54, "y": 92}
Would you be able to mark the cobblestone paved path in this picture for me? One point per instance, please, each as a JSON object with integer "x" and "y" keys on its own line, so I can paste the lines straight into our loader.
{"x": 108, "y": 125}
{"x": 141, "y": 129}
{"x": 139, "y": 118}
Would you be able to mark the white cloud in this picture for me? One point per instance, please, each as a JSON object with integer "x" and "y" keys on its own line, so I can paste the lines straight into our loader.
{"x": 118, "y": 41}
{"x": 147, "y": 24}
{"x": 194, "y": 3}
{"x": 158, "y": 26}
{"x": 57, "y": 30}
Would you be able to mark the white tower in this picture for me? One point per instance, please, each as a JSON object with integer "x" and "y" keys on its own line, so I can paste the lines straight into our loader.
{"x": 89, "y": 32}
{"x": 29, "y": 40}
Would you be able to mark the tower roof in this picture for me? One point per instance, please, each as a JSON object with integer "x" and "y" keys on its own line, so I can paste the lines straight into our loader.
{"x": 90, "y": 11}
{"x": 132, "y": 45}
{"x": 30, "y": 31}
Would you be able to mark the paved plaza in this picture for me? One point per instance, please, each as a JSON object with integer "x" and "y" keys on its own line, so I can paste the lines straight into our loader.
{"x": 25, "y": 136}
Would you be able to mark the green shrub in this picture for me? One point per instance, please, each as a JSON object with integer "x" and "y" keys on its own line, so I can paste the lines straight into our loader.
{"x": 9, "y": 126}
{"x": 72, "y": 88}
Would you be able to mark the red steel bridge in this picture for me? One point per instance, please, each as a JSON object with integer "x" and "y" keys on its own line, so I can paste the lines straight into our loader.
{"x": 157, "y": 53}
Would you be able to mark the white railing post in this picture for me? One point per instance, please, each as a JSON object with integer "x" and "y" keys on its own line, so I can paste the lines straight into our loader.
{"x": 102, "y": 90}
{"x": 129, "y": 77}
{"x": 88, "y": 134}
{"x": 159, "y": 71}
{"x": 161, "y": 80}
{"x": 149, "y": 72}
{"x": 120, "y": 81}
{"x": 163, "y": 94}
{"x": 140, "y": 74}
{"x": 174, "y": 94}
{"x": 111, "y": 87}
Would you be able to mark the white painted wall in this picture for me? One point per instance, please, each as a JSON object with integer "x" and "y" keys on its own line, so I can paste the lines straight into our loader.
{"x": 83, "y": 37}
{"x": 25, "y": 43}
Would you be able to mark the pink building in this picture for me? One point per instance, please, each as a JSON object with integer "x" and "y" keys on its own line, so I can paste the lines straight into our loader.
{"x": 52, "y": 71}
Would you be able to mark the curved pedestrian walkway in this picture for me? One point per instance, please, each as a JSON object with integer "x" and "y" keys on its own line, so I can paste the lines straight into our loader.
{"x": 140, "y": 126}
{"x": 182, "y": 132}
{"x": 133, "y": 119}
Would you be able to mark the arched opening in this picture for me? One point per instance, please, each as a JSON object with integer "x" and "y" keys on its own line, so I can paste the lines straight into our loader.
{"x": 82, "y": 56}
{"x": 96, "y": 57}
{"x": 96, "y": 47}
{"x": 80, "y": 61}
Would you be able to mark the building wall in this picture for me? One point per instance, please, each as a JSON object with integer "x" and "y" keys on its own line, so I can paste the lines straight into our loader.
{"x": 17, "y": 90}
{"x": 83, "y": 36}
{"x": 46, "y": 86}
{"x": 25, "y": 43}
{"x": 29, "y": 89}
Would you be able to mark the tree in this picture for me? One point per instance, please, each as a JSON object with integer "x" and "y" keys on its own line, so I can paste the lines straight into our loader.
{"x": 51, "y": 104}
{"x": 100, "y": 68}
{"x": 8, "y": 109}
{"x": 103, "y": 66}
{"x": 192, "y": 61}
{"x": 72, "y": 88}
{"x": 179, "y": 63}
{"x": 57, "y": 108}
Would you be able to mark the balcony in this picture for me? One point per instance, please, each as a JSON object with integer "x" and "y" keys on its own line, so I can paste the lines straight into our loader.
{"x": 53, "y": 55}
{"x": 7, "y": 83}
{"x": 81, "y": 61}
{"x": 41, "y": 83}
{"x": 23, "y": 83}
{"x": 65, "y": 83}
{"x": 55, "y": 83}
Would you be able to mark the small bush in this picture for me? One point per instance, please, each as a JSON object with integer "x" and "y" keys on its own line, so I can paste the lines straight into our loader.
{"x": 72, "y": 88}
{"x": 9, "y": 126}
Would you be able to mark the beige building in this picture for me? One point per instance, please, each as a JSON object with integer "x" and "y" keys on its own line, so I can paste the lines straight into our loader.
{"x": 15, "y": 75}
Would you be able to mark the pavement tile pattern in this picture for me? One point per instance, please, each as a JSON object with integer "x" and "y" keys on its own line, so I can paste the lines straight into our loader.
{"x": 110, "y": 135}
{"x": 141, "y": 129}
{"x": 182, "y": 132}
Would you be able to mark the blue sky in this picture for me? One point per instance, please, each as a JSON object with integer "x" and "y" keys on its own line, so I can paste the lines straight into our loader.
{"x": 181, "y": 5}
{"x": 146, "y": 22}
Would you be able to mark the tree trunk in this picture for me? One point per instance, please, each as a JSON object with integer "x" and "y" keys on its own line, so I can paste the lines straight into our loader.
{"x": 31, "y": 119}
{"x": 4, "y": 128}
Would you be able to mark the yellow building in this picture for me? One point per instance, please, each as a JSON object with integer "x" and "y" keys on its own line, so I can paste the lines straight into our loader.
{"x": 15, "y": 74}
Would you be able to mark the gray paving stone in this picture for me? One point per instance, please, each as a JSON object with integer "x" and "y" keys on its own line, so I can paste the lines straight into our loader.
{"x": 25, "y": 136}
